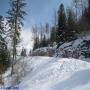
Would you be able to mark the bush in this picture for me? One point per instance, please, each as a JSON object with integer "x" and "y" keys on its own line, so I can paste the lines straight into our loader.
{"x": 85, "y": 48}
{"x": 4, "y": 58}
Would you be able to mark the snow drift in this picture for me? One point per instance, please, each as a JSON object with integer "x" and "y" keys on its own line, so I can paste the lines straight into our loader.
{"x": 56, "y": 74}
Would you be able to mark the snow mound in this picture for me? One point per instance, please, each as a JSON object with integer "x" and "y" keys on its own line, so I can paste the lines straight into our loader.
{"x": 56, "y": 74}
{"x": 44, "y": 51}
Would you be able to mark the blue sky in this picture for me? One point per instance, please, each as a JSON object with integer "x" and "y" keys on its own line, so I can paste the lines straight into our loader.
{"x": 39, "y": 11}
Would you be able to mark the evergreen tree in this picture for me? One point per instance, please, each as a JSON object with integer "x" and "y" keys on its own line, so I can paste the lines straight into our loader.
{"x": 23, "y": 52}
{"x": 61, "y": 17}
{"x": 88, "y": 13}
{"x": 70, "y": 19}
{"x": 71, "y": 26}
{"x": 15, "y": 17}
{"x": 53, "y": 35}
{"x": 44, "y": 42}
{"x": 41, "y": 35}
{"x": 4, "y": 53}
{"x": 61, "y": 26}
{"x": 36, "y": 37}
{"x": 84, "y": 22}
{"x": 36, "y": 43}
{"x": 47, "y": 28}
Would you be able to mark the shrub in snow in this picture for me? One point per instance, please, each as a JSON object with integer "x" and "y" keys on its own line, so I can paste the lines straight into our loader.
{"x": 46, "y": 51}
{"x": 4, "y": 54}
{"x": 68, "y": 52}
{"x": 85, "y": 48}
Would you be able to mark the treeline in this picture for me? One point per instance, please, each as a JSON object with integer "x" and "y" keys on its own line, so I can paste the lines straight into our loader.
{"x": 69, "y": 24}
{"x": 41, "y": 36}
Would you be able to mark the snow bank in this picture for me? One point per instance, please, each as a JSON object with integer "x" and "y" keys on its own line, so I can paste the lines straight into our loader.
{"x": 45, "y": 51}
{"x": 56, "y": 74}
{"x": 71, "y": 49}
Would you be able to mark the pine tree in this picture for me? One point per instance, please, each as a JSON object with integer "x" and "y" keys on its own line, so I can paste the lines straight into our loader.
{"x": 35, "y": 37}
{"x": 61, "y": 17}
{"x": 61, "y": 26}
{"x": 47, "y": 28}
{"x": 88, "y": 12}
{"x": 53, "y": 35}
{"x": 71, "y": 25}
{"x": 84, "y": 22}
{"x": 23, "y": 52}
{"x": 70, "y": 19}
{"x": 4, "y": 53}
{"x": 36, "y": 43}
{"x": 15, "y": 17}
{"x": 41, "y": 35}
{"x": 44, "y": 41}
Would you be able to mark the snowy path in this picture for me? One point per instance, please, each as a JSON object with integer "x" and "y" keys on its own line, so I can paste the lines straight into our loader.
{"x": 56, "y": 74}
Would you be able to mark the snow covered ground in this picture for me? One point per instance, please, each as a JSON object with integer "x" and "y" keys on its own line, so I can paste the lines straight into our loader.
{"x": 50, "y": 73}
{"x": 71, "y": 49}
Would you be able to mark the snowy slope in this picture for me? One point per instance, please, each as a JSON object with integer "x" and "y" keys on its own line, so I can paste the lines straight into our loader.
{"x": 56, "y": 74}
{"x": 71, "y": 49}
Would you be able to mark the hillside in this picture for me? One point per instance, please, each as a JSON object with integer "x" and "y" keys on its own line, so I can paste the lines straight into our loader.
{"x": 56, "y": 74}
{"x": 79, "y": 49}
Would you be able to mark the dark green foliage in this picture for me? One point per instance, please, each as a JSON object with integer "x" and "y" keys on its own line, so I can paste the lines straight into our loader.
{"x": 44, "y": 41}
{"x": 84, "y": 22}
{"x": 65, "y": 30}
{"x": 36, "y": 43}
{"x": 71, "y": 19}
{"x": 4, "y": 53}
{"x": 41, "y": 36}
{"x": 23, "y": 52}
{"x": 66, "y": 26}
{"x": 4, "y": 58}
{"x": 47, "y": 28}
{"x": 61, "y": 26}
{"x": 53, "y": 35}
{"x": 71, "y": 26}
{"x": 61, "y": 17}
{"x": 88, "y": 13}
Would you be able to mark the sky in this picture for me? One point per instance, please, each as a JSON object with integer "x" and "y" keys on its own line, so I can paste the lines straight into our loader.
{"x": 38, "y": 12}
{"x": 42, "y": 11}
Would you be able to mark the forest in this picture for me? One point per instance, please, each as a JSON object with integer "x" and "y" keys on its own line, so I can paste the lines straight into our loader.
{"x": 67, "y": 37}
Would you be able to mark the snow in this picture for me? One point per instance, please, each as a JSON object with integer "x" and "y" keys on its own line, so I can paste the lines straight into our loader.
{"x": 54, "y": 73}
{"x": 44, "y": 51}
{"x": 50, "y": 73}
{"x": 69, "y": 49}
{"x": 26, "y": 41}
{"x": 77, "y": 80}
